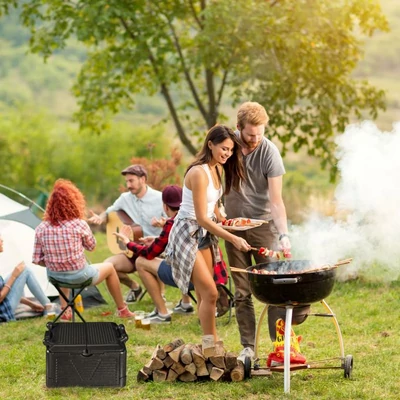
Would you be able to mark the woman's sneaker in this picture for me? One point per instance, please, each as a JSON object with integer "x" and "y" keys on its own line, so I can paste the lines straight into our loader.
{"x": 180, "y": 309}
{"x": 133, "y": 295}
{"x": 159, "y": 319}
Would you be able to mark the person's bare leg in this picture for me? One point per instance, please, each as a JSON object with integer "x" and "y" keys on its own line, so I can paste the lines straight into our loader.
{"x": 147, "y": 270}
{"x": 108, "y": 273}
{"x": 63, "y": 303}
{"x": 123, "y": 266}
{"x": 206, "y": 291}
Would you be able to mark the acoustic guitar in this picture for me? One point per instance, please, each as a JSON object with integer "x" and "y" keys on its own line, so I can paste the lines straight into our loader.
{"x": 115, "y": 221}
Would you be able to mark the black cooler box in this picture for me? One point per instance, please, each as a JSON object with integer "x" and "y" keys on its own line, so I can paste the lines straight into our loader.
{"x": 85, "y": 354}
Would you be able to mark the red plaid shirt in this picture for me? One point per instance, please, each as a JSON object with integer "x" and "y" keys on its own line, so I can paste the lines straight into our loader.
{"x": 157, "y": 247}
{"x": 62, "y": 248}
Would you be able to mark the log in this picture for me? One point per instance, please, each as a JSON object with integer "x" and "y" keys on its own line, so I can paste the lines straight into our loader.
{"x": 202, "y": 370}
{"x": 168, "y": 361}
{"x": 142, "y": 376}
{"x": 146, "y": 369}
{"x": 191, "y": 368}
{"x": 216, "y": 373}
{"x": 175, "y": 354}
{"x": 160, "y": 375}
{"x": 237, "y": 374}
{"x": 218, "y": 358}
{"x": 198, "y": 357}
{"x": 187, "y": 377}
{"x": 230, "y": 360}
{"x": 178, "y": 368}
{"x": 160, "y": 353}
{"x": 172, "y": 375}
{"x": 186, "y": 354}
{"x": 155, "y": 363}
{"x": 173, "y": 345}
{"x": 208, "y": 346}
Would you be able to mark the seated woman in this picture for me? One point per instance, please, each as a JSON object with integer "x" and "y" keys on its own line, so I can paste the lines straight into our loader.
{"x": 60, "y": 243}
{"x": 12, "y": 289}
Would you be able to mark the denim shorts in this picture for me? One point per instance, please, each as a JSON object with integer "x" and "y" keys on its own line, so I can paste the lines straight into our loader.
{"x": 165, "y": 275}
{"x": 80, "y": 276}
{"x": 204, "y": 241}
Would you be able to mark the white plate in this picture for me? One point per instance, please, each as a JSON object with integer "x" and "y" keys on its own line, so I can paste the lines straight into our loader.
{"x": 254, "y": 224}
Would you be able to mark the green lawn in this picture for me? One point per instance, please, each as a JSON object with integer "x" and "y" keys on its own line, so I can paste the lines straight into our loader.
{"x": 368, "y": 315}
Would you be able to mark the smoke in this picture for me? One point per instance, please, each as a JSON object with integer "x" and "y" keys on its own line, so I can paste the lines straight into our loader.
{"x": 368, "y": 194}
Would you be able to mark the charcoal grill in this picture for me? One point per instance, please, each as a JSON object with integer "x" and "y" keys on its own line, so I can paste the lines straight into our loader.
{"x": 293, "y": 284}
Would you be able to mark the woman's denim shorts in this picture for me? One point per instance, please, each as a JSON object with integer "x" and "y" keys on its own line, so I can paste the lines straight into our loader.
{"x": 80, "y": 276}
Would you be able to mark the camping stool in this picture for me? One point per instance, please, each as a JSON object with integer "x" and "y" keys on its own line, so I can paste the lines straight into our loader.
{"x": 70, "y": 302}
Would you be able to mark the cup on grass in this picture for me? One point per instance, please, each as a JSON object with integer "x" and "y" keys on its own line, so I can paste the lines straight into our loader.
{"x": 146, "y": 324}
{"x": 139, "y": 315}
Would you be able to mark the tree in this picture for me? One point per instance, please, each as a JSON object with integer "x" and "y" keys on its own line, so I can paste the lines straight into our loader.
{"x": 295, "y": 57}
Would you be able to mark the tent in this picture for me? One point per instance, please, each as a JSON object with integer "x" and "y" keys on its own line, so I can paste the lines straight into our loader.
{"x": 17, "y": 228}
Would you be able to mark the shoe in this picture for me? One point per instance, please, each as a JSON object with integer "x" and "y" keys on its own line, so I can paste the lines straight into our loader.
{"x": 67, "y": 316}
{"x": 246, "y": 352}
{"x": 125, "y": 313}
{"x": 179, "y": 309}
{"x": 152, "y": 314}
{"x": 133, "y": 295}
{"x": 159, "y": 319}
{"x": 50, "y": 310}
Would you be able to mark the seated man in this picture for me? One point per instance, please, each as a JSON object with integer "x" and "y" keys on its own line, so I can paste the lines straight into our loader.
{"x": 149, "y": 252}
{"x": 141, "y": 203}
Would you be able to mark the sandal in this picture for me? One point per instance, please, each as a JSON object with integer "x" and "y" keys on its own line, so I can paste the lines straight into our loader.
{"x": 125, "y": 313}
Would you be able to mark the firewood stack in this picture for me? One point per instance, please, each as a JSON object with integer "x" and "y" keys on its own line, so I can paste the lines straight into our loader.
{"x": 190, "y": 362}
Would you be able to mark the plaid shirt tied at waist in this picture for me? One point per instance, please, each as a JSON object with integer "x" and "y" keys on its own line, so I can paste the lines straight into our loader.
{"x": 182, "y": 249}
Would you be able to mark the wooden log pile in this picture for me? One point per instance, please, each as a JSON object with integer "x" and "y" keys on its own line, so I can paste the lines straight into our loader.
{"x": 178, "y": 361}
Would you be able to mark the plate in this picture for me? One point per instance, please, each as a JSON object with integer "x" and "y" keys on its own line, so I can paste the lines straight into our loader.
{"x": 254, "y": 224}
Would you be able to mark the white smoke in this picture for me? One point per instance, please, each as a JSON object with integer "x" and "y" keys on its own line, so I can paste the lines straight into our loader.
{"x": 369, "y": 195}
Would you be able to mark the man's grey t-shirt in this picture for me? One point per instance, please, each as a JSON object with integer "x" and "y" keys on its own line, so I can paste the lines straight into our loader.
{"x": 252, "y": 201}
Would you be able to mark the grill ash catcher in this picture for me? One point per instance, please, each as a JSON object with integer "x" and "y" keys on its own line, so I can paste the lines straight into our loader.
{"x": 292, "y": 284}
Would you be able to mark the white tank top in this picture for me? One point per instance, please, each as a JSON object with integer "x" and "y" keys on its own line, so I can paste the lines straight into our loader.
{"x": 186, "y": 209}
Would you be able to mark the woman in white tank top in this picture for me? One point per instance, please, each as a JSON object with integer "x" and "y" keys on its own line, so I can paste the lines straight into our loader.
{"x": 193, "y": 242}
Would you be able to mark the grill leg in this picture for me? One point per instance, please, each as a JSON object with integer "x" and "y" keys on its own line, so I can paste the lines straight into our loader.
{"x": 286, "y": 359}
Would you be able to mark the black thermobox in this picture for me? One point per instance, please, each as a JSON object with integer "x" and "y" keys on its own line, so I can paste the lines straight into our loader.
{"x": 85, "y": 354}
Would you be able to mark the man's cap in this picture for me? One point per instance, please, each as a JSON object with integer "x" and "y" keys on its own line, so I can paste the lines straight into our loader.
{"x": 135, "y": 169}
{"x": 172, "y": 196}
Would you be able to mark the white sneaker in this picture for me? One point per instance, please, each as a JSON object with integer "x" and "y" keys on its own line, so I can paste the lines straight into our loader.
{"x": 246, "y": 352}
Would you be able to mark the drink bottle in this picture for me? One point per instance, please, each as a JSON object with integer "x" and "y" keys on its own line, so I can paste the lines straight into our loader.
{"x": 79, "y": 304}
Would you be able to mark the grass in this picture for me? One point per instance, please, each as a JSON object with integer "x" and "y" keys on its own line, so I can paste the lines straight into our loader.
{"x": 368, "y": 315}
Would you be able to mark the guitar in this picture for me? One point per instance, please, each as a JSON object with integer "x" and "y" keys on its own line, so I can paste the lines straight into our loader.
{"x": 115, "y": 221}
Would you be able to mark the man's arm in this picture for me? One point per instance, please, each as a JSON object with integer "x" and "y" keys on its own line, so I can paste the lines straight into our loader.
{"x": 278, "y": 209}
{"x": 97, "y": 219}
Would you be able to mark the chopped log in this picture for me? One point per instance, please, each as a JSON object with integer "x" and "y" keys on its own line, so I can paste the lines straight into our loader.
{"x": 155, "y": 363}
{"x": 230, "y": 360}
{"x": 175, "y": 354}
{"x": 142, "y": 376}
{"x": 198, "y": 357}
{"x": 168, "y": 361}
{"x": 216, "y": 373}
{"x": 159, "y": 375}
{"x": 191, "y": 368}
{"x": 218, "y": 361}
{"x": 237, "y": 374}
{"x": 178, "y": 368}
{"x": 173, "y": 345}
{"x": 209, "y": 366}
{"x": 161, "y": 354}
{"x": 202, "y": 370}
{"x": 208, "y": 346}
{"x": 186, "y": 354}
{"x": 218, "y": 358}
{"x": 146, "y": 369}
{"x": 187, "y": 377}
{"x": 172, "y": 375}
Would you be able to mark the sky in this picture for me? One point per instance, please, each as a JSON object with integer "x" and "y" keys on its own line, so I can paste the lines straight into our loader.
{"x": 366, "y": 224}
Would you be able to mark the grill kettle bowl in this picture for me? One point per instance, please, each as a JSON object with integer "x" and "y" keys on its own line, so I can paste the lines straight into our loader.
{"x": 291, "y": 288}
